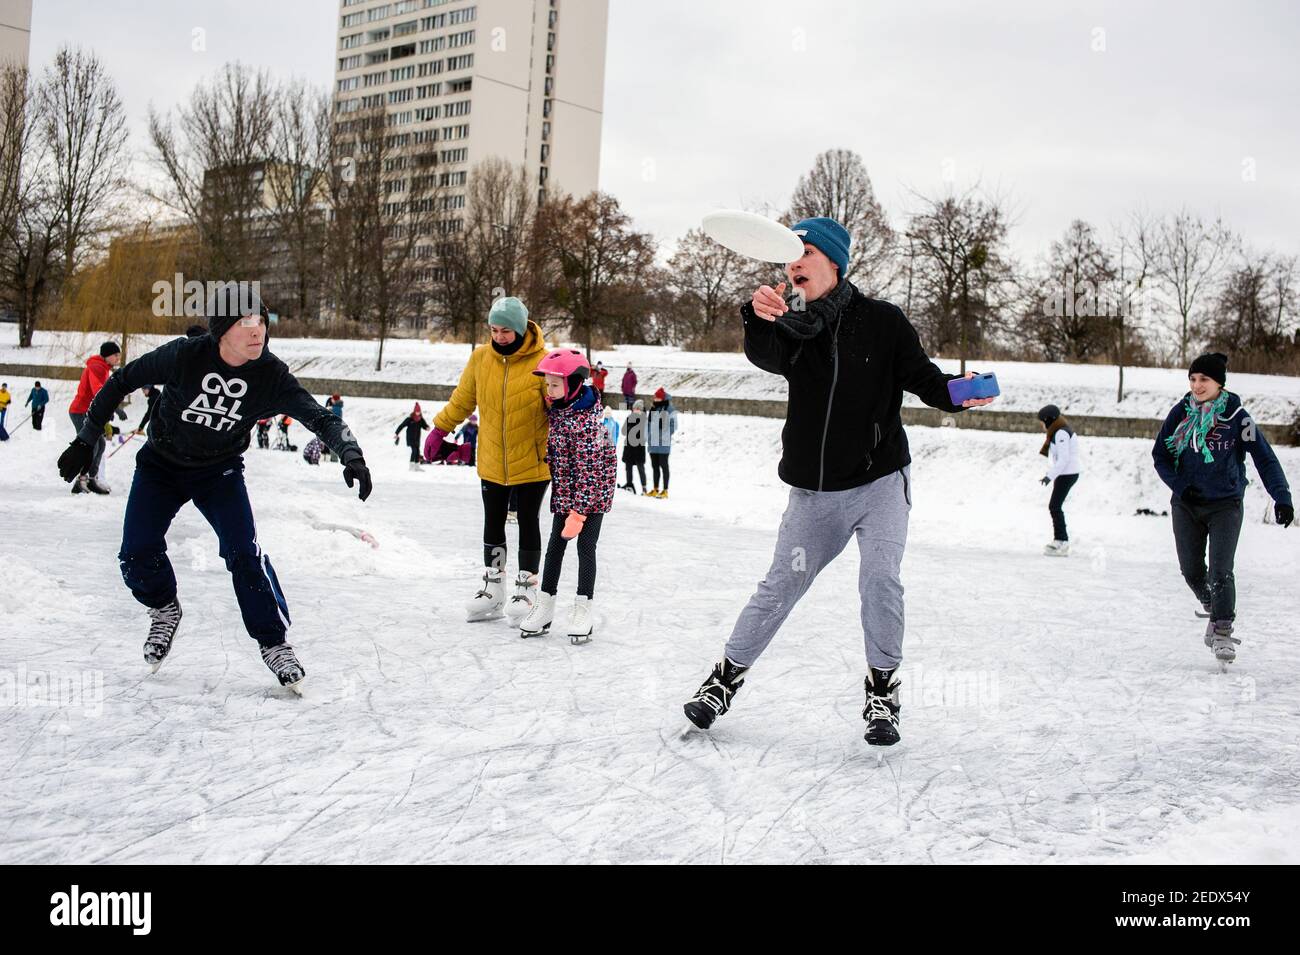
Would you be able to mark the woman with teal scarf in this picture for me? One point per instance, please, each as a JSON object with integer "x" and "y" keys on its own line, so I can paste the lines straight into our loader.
{"x": 1201, "y": 454}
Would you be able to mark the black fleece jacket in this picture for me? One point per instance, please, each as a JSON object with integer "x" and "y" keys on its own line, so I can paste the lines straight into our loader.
{"x": 208, "y": 408}
{"x": 842, "y": 425}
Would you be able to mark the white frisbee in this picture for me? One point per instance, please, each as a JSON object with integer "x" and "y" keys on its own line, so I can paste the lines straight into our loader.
{"x": 753, "y": 236}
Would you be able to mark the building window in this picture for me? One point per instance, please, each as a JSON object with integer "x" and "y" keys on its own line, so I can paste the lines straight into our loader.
{"x": 546, "y": 152}
{"x": 546, "y": 108}
{"x": 401, "y": 73}
{"x": 374, "y": 79}
{"x": 434, "y": 45}
{"x": 460, "y": 86}
{"x": 400, "y": 96}
{"x": 426, "y": 113}
{"x": 542, "y": 175}
{"x": 379, "y": 13}
{"x": 353, "y": 20}
{"x": 403, "y": 29}
{"x": 376, "y": 36}
{"x": 551, "y": 17}
{"x": 462, "y": 16}
{"x": 462, "y": 62}
{"x": 430, "y": 69}
{"x": 550, "y": 64}
{"x": 548, "y": 83}
{"x": 405, "y": 6}
{"x": 434, "y": 23}
{"x": 461, "y": 39}
{"x": 349, "y": 84}
{"x": 546, "y": 130}
{"x": 350, "y": 62}
{"x": 374, "y": 101}
{"x": 550, "y": 42}
{"x": 428, "y": 90}
{"x": 379, "y": 57}
{"x": 455, "y": 155}
{"x": 398, "y": 52}
{"x": 460, "y": 108}
{"x": 350, "y": 41}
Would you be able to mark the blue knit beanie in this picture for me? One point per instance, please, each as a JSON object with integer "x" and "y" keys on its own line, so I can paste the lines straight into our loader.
{"x": 509, "y": 313}
{"x": 829, "y": 236}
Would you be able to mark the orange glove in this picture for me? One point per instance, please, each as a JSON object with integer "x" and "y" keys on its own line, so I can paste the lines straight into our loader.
{"x": 573, "y": 525}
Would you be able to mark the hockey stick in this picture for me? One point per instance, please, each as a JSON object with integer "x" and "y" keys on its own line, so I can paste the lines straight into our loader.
{"x": 122, "y": 445}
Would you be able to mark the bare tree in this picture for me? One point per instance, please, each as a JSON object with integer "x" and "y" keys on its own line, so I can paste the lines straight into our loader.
{"x": 30, "y": 261}
{"x": 493, "y": 253}
{"x": 387, "y": 212}
{"x": 965, "y": 277}
{"x": 596, "y": 250}
{"x": 213, "y": 154}
{"x": 710, "y": 282}
{"x": 1190, "y": 255}
{"x": 1249, "y": 310}
{"x": 297, "y": 180}
{"x": 1136, "y": 241}
{"x": 83, "y": 124}
{"x": 1071, "y": 317}
{"x": 838, "y": 186}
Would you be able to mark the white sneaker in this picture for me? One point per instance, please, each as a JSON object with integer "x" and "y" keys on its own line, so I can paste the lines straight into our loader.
{"x": 538, "y": 621}
{"x": 1057, "y": 549}
{"x": 522, "y": 601}
{"x": 415, "y": 466}
{"x": 487, "y": 603}
{"x": 580, "y": 625}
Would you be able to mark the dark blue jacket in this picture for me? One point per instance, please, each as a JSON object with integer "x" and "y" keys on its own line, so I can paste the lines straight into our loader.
{"x": 39, "y": 398}
{"x": 1233, "y": 435}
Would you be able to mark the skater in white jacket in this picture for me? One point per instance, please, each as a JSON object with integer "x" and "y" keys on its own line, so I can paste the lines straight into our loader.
{"x": 1061, "y": 448}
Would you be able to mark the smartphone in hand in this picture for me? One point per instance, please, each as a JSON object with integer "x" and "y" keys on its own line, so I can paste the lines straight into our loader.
{"x": 966, "y": 389}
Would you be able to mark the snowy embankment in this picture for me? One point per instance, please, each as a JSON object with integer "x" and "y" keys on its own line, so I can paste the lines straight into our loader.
{"x": 1053, "y": 710}
{"x": 1077, "y": 389}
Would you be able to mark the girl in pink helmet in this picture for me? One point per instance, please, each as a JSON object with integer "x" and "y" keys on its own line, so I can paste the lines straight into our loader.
{"x": 584, "y": 470}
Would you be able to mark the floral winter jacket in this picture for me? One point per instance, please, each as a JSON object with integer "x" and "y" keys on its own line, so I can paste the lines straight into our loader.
{"x": 582, "y": 459}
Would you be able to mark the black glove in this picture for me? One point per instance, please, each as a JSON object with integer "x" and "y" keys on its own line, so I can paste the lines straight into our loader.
{"x": 1284, "y": 513}
{"x": 355, "y": 470}
{"x": 75, "y": 460}
{"x": 1045, "y": 481}
{"x": 121, "y": 415}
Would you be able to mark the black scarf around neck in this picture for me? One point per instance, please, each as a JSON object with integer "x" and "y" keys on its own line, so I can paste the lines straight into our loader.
{"x": 808, "y": 322}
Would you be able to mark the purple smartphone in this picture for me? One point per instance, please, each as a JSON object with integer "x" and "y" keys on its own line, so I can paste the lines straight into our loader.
{"x": 981, "y": 386}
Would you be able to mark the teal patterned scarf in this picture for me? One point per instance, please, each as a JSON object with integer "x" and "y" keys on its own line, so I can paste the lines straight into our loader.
{"x": 1195, "y": 426}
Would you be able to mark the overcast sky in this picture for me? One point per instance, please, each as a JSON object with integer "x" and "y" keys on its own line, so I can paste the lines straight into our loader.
{"x": 1082, "y": 110}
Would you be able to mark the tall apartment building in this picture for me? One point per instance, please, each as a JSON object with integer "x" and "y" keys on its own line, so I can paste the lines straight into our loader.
{"x": 16, "y": 31}
{"x": 519, "y": 79}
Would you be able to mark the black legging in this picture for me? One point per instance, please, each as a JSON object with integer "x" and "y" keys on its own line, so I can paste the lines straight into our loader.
{"x": 640, "y": 466}
{"x": 659, "y": 462}
{"x": 1055, "y": 507}
{"x": 415, "y": 453}
{"x": 496, "y": 502}
{"x": 587, "y": 538}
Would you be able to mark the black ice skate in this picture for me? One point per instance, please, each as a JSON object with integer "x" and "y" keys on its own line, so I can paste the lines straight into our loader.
{"x": 881, "y": 711}
{"x": 714, "y": 696}
{"x": 282, "y": 662}
{"x": 161, "y": 633}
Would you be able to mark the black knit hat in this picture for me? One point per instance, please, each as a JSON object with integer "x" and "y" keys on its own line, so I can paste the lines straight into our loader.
{"x": 1048, "y": 413}
{"x": 225, "y": 308}
{"x": 1213, "y": 365}
{"x": 109, "y": 348}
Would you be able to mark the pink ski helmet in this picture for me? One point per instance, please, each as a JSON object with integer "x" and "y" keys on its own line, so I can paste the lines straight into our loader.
{"x": 569, "y": 364}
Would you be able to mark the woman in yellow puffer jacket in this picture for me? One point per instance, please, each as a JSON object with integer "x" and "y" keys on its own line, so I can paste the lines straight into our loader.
{"x": 511, "y": 452}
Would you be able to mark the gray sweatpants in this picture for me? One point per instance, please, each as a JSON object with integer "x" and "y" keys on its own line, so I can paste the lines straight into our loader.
{"x": 814, "y": 529}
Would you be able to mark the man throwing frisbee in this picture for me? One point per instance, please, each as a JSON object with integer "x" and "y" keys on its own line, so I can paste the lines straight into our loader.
{"x": 847, "y": 359}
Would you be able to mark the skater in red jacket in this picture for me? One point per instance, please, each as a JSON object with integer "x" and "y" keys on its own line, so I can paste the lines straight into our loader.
{"x": 98, "y": 368}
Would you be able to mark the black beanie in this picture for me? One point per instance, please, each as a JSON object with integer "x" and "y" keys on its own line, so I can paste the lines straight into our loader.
{"x": 1048, "y": 413}
{"x": 225, "y": 308}
{"x": 1213, "y": 365}
{"x": 109, "y": 348}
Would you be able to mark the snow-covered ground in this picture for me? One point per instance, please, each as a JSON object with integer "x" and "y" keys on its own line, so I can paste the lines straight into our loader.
{"x": 1054, "y": 710}
{"x": 1026, "y": 386}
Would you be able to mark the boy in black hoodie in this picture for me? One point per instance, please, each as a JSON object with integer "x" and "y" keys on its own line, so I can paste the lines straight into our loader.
{"x": 216, "y": 387}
